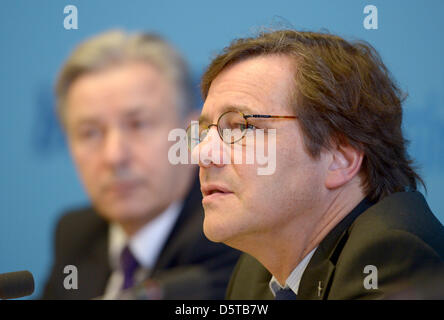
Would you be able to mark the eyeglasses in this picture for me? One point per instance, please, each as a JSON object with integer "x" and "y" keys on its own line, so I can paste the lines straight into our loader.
{"x": 232, "y": 126}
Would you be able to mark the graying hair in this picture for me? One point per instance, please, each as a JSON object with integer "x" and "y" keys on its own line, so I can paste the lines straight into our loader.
{"x": 116, "y": 46}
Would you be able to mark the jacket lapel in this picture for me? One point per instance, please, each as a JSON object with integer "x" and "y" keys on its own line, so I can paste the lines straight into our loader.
{"x": 189, "y": 223}
{"x": 316, "y": 280}
{"x": 97, "y": 263}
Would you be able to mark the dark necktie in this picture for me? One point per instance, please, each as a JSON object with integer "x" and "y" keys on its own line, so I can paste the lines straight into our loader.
{"x": 129, "y": 265}
{"x": 285, "y": 294}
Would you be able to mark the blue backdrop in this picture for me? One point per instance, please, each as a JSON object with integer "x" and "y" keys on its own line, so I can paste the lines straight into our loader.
{"x": 37, "y": 178}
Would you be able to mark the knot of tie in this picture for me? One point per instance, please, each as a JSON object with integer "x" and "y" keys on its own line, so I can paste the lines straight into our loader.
{"x": 285, "y": 294}
{"x": 129, "y": 266}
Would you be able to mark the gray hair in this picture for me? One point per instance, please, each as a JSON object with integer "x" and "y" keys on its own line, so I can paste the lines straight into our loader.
{"x": 117, "y": 46}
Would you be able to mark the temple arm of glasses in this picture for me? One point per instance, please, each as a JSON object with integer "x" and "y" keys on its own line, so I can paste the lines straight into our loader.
{"x": 268, "y": 116}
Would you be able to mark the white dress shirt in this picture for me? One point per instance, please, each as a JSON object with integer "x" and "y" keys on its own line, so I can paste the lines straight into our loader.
{"x": 294, "y": 278}
{"x": 145, "y": 245}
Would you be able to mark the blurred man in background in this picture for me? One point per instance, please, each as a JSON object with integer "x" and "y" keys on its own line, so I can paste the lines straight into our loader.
{"x": 119, "y": 95}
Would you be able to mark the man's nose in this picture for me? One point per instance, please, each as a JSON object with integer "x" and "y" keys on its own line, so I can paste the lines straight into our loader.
{"x": 210, "y": 151}
{"x": 116, "y": 149}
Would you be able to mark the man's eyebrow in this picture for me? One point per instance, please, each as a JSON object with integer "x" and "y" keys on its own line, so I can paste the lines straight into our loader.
{"x": 238, "y": 108}
{"x": 91, "y": 119}
{"x": 84, "y": 122}
{"x": 135, "y": 111}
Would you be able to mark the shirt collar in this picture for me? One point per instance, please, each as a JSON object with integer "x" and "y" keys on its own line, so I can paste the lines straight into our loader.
{"x": 147, "y": 243}
{"x": 294, "y": 278}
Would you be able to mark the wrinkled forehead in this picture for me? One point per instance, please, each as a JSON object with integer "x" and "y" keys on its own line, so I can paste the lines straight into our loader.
{"x": 239, "y": 108}
{"x": 120, "y": 90}
{"x": 256, "y": 85}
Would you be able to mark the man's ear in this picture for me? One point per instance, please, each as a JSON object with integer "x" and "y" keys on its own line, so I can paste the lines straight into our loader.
{"x": 345, "y": 164}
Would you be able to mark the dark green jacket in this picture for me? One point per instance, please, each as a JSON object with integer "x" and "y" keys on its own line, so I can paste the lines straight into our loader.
{"x": 399, "y": 235}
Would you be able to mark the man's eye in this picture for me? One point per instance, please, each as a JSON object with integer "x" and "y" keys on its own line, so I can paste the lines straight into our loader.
{"x": 89, "y": 134}
{"x": 139, "y": 124}
{"x": 244, "y": 126}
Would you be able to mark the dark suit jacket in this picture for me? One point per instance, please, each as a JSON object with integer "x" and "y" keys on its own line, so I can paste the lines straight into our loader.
{"x": 399, "y": 235}
{"x": 188, "y": 267}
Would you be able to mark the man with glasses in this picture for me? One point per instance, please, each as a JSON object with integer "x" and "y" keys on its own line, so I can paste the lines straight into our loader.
{"x": 119, "y": 95}
{"x": 339, "y": 217}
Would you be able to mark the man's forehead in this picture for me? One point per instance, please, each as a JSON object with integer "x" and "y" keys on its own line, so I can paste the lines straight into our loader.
{"x": 92, "y": 101}
{"x": 90, "y": 90}
{"x": 261, "y": 84}
{"x": 93, "y": 116}
{"x": 207, "y": 116}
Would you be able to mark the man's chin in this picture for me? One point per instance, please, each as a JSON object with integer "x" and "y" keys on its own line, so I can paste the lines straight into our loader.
{"x": 124, "y": 214}
{"x": 215, "y": 232}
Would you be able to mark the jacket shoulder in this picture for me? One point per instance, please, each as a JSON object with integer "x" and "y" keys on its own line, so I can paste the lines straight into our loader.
{"x": 400, "y": 239}
{"x": 405, "y": 213}
{"x": 77, "y": 229}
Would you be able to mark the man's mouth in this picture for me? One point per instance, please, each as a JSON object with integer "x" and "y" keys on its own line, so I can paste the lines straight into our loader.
{"x": 122, "y": 187}
{"x": 212, "y": 192}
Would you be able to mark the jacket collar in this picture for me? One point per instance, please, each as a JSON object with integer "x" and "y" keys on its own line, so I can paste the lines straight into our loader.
{"x": 319, "y": 271}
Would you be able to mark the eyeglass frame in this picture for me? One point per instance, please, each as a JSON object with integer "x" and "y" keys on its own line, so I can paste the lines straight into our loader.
{"x": 246, "y": 117}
